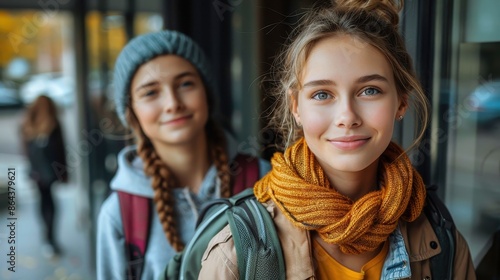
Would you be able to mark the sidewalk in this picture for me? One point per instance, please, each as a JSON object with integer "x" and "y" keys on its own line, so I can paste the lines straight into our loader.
{"x": 73, "y": 235}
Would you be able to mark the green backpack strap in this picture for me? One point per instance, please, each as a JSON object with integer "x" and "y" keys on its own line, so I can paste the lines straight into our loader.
{"x": 257, "y": 244}
{"x": 186, "y": 264}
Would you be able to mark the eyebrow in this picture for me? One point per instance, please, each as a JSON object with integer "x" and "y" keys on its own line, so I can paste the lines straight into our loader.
{"x": 184, "y": 74}
{"x": 374, "y": 77}
{"x": 145, "y": 85}
{"x": 153, "y": 83}
{"x": 360, "y": 80}
{"x": 319, "y": 83}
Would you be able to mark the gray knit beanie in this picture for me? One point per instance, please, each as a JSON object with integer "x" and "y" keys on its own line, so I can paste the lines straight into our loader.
{"x": 142, "y": 49}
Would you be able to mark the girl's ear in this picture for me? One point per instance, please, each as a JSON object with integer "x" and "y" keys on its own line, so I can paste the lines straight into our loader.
{"x": 294, "y": 106}
{"x": 403, "y": 106}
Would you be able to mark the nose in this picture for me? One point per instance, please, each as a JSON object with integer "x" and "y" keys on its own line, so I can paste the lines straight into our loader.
{"x": 171, "y": 101}
{"x": 346, "y": 115}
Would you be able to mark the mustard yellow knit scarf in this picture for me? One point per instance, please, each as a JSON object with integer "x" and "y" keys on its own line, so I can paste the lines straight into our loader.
{"x": 300, "y": 188}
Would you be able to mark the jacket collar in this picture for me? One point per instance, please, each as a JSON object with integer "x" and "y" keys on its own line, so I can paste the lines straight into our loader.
{"x": 297, "y": 247}
{"x": 396, "y": 265}
{"x": 410, "y": 242}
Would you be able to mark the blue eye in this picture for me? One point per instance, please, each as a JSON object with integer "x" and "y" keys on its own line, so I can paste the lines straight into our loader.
{"x": 321, "y": 95}
{"x": 371, "y": 91}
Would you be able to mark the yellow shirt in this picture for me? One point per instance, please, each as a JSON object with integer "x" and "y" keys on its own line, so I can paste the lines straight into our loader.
{"x": 329, "y": 268}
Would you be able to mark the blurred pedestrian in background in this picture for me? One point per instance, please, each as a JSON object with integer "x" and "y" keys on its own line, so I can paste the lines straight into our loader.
{"x": 44, "y": 146}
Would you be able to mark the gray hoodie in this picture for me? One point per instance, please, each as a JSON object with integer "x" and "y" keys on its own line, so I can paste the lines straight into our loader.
{"x": 111, "y": 262}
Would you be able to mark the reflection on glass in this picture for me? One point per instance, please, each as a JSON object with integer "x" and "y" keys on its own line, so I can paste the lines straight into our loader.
{"x": 473, "y": 190}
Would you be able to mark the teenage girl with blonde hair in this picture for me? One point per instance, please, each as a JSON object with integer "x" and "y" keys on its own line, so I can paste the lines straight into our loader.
{"x": 44, "y": 146}
{"x": 346, "y": 201}
{"x": 165, "y": 93}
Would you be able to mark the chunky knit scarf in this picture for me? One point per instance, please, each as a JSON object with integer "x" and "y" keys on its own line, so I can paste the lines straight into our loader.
{"x": 299, "y": 187}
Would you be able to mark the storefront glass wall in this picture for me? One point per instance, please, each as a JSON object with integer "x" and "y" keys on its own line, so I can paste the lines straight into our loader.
{"x": 467, "y": 84}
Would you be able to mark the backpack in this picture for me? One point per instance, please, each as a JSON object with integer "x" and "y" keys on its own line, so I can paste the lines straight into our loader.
{"x": 258, "y": 248}
{"x": 256, "y": 241}
{"x": 444, "y": 227}
{"x": 136, "y": 214}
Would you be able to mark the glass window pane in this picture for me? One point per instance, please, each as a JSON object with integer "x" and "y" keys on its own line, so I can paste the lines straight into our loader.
{"x": 473, "y": 119}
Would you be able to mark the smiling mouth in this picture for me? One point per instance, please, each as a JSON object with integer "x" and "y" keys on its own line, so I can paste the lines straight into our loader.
{"x": 178, "y": 120}
{"x": 349, "y": 143}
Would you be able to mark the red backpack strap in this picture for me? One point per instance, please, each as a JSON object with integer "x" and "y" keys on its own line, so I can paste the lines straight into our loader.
{"x": 247, "y": 168}
{"x": 136, "y": 215}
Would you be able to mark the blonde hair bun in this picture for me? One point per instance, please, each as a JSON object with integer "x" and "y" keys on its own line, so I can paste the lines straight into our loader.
{"x": 388, "y": 10}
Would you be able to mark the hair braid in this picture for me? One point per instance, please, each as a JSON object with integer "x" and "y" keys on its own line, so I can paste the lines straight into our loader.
{"x": 162, "y": 183}
{"x": 217, "y": 146}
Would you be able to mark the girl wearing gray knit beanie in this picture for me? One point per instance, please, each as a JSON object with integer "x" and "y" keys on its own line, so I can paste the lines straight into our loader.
{"x": 164, "y": 92}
